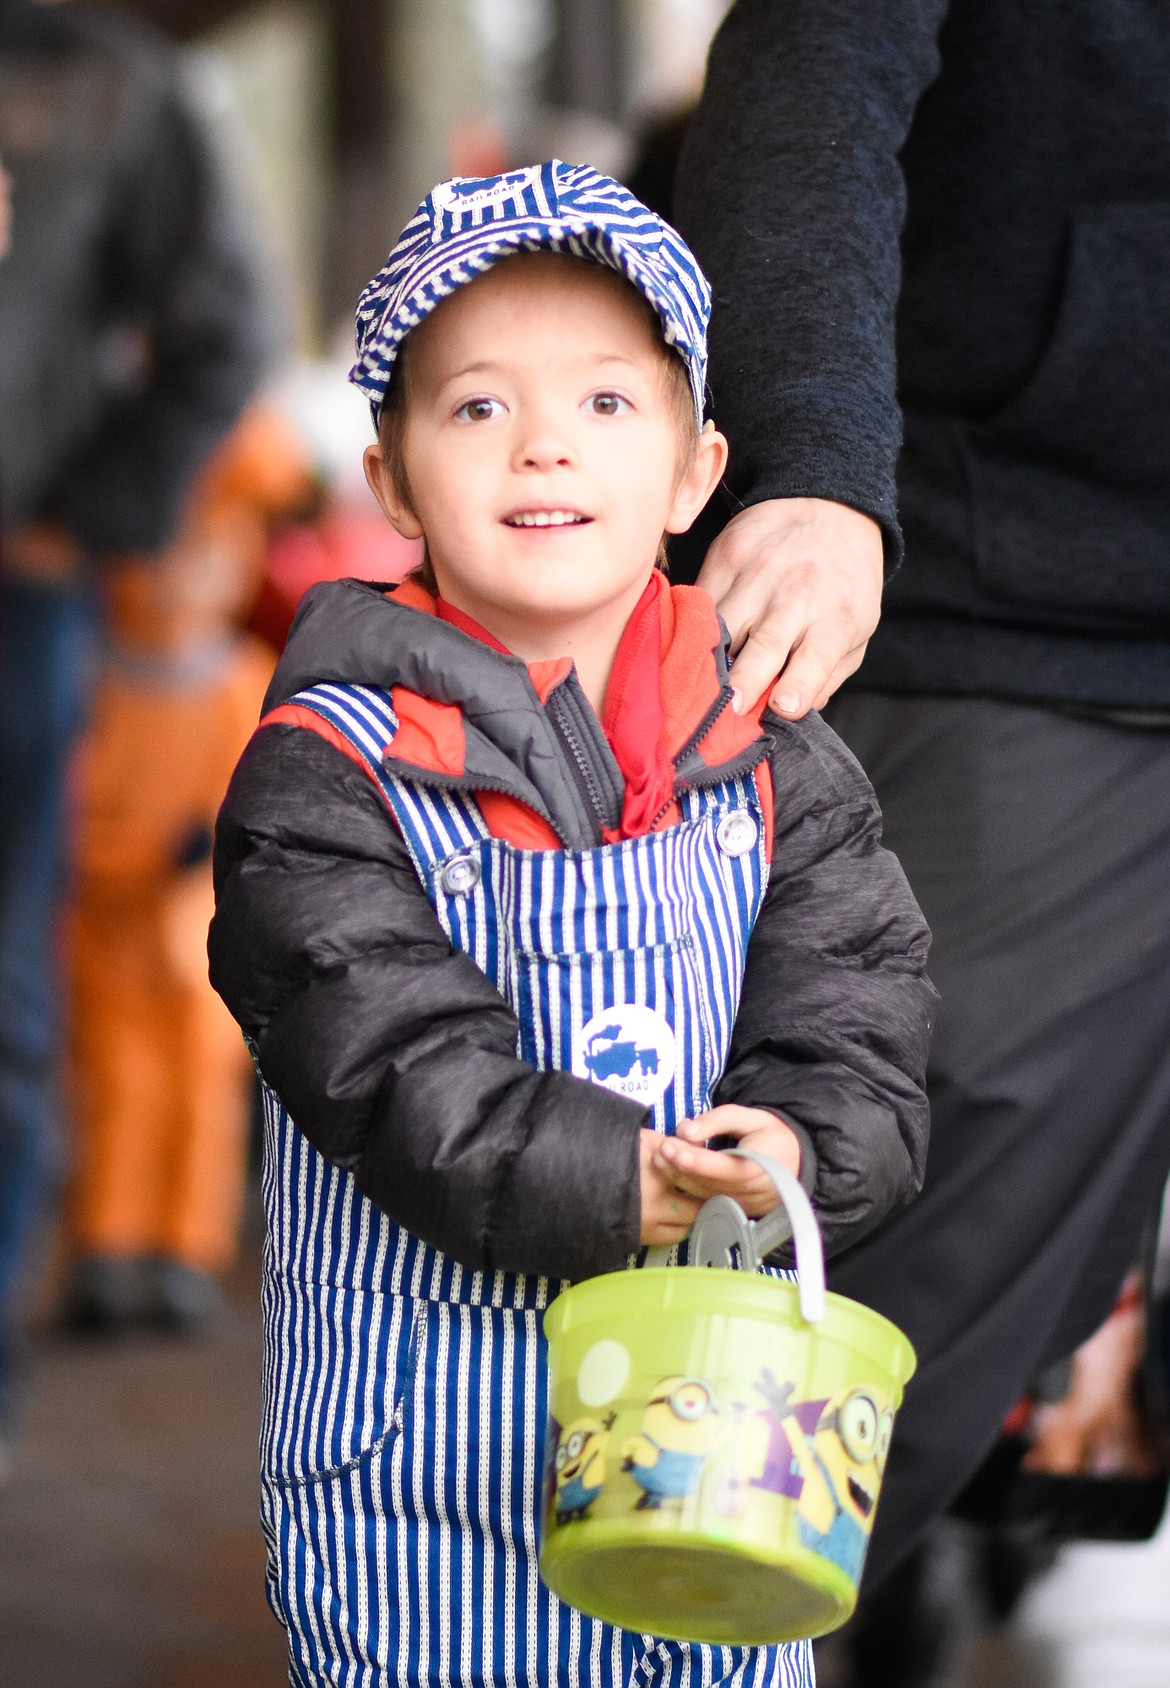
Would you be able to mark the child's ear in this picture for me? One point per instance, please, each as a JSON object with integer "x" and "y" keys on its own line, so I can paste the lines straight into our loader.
{"x": 381, "y": 483}
{"x": 699, "y": 479}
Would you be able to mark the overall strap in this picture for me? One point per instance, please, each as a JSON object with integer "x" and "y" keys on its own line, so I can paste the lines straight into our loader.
{"x": 435, "y": 823}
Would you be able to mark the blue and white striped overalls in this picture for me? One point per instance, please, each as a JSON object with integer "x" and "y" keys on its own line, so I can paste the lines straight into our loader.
{"x": 404, "y": 1396}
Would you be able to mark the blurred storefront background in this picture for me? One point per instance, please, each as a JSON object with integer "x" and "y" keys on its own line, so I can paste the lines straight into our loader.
{"x": 340, "y": 114}
{"x": 344, "y": 112}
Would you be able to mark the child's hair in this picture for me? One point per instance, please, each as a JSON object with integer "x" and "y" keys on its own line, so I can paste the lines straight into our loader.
{"x": 392, "y": 418}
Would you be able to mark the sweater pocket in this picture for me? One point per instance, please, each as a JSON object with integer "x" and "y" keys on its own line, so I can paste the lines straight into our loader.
{"x": 1071, "y": 478}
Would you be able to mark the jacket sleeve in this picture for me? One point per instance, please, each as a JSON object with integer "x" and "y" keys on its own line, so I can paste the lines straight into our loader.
{"x": 395, "y": 1055}
{"x": 834, "y": 1022}
{"x": 186, "y": 274}
{"x": 790, "y": 191}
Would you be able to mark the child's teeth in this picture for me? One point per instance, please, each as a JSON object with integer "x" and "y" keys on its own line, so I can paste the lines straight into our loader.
{"x": 545, "y": 518}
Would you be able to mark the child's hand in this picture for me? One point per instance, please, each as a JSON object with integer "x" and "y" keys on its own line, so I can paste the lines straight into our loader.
{"x": 667, "y": 1211}
{"x": 699, "y": 1172}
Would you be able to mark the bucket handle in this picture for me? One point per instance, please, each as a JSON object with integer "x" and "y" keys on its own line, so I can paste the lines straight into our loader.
{"x": 723, "y": 1225}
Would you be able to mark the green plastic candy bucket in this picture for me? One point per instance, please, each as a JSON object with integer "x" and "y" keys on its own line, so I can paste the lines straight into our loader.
{"x": 717, "y": 1438}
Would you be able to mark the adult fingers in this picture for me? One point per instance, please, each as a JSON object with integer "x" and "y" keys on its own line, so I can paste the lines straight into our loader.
{"x": 837, "y": 678}
{"x": 798, "y": 582}
{"x": 814, "y": 671}
{"x": 766, "y": 654}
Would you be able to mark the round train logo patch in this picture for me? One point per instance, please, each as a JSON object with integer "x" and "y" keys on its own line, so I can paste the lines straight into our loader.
{"x": 627, "y": 1049}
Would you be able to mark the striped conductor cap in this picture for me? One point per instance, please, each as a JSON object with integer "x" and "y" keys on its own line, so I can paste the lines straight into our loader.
{"x": 469, "y": 223}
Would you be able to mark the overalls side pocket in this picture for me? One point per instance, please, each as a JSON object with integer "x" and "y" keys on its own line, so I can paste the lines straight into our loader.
{"x": 338, "y": 1381}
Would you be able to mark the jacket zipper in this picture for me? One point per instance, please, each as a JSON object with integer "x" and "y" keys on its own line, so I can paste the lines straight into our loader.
{"x": 746, "y": 760}
{"x": 587, "y": 780}
{"x": 705, "y": 725}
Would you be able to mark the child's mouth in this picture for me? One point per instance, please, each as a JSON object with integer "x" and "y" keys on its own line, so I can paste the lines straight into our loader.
{"x": 546, "y": 519}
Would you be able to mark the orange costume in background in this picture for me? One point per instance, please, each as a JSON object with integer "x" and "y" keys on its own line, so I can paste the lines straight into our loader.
{"x": 160, "y": 1076}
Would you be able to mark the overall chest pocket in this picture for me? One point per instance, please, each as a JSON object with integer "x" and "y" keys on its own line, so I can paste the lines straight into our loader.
{"x": 637, "y": 1021}
{"x": 622, "y": 963}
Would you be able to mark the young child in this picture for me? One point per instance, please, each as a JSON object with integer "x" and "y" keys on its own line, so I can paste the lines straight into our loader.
{"x": 517, "y": 912}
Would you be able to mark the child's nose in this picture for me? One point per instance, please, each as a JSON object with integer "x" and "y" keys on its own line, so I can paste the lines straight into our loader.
{"x": 544, "y": 444}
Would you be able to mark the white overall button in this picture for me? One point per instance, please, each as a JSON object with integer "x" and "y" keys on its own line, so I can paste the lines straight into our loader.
{"x": 736, "y": 833}
{"x": 460, "y": 875}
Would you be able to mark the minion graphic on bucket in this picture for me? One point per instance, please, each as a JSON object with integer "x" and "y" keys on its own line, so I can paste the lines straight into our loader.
{"x": 579, "y": 1466}
{"x": 680, "y": 1426}
{"x": 842, "y": 1462}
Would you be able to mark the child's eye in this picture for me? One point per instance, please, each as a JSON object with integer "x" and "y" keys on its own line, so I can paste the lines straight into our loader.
{"x": 479, "y": 410}
{"x": 607, "y": 404}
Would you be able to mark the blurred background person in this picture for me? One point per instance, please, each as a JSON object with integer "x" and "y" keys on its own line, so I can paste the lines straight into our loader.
{"x": 134, "y": 324}
{"x": 159, "y": 1079}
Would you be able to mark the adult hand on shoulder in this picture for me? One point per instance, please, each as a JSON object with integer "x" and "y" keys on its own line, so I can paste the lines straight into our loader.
{"x": 799, "y": 583}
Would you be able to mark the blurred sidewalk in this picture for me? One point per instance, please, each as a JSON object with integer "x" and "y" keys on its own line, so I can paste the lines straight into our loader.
{"x": 131, "y": 1556}
{"x": 130, "y": 1547}
{"x": 1099, "y": 1619}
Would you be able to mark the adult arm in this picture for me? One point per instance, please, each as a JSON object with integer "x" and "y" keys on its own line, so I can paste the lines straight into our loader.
{"x": 834, "y": 1023}
{"x": 395, "y": 1055}
{"x": 790, "y": 191}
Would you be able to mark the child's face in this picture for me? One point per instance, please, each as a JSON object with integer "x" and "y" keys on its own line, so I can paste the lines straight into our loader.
{"x": 543, "y": 451}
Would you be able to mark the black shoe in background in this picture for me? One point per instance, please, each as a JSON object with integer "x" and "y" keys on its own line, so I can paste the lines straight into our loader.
{"x": 107, "y": 1295}
{"x": 184, "y": 1299}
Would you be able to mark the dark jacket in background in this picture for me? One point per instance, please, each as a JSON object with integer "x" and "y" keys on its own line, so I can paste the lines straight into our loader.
{"x": 1022, "y": 149}
{"x": 133, "y": 324}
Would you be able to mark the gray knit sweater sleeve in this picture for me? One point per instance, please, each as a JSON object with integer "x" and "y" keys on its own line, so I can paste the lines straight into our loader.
{"x": 790, "y": 192}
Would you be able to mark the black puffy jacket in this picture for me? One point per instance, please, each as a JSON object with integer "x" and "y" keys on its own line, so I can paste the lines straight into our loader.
{"x": 397, "y": 1056}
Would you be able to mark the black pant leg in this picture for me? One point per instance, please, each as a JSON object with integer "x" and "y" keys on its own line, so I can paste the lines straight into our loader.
{"x": 1039, "y": 847}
